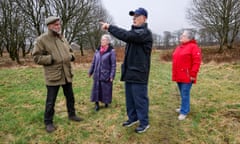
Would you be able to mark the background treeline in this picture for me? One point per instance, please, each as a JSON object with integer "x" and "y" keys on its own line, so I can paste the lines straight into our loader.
{"x": 23, "y": 20}
{"x": 216, "y": 23}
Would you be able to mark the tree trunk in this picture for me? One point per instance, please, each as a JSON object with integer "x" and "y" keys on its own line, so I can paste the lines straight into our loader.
{"x": 81, "y": 49}
{"x": 1, "y": 51}
{"x": 17, "y": 57}
{"x": 221, "y": 46}
{"x": 230, "y": 45}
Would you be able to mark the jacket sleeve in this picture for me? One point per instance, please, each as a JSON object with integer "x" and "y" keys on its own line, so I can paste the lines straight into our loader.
{"x": 72, "y": 56}
{"x": 91, "y": 70}
{"x": 196, "y": 61}
{"x": 41, "y": 56}
{"x": 135, "y": 36}
{"x": 113, "y": 64}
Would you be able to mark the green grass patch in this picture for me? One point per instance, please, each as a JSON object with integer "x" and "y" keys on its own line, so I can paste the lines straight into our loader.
{"x": 214, "y": 116}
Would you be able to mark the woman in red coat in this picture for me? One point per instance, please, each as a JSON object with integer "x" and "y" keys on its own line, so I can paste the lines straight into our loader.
{"x": 186, "y": 61}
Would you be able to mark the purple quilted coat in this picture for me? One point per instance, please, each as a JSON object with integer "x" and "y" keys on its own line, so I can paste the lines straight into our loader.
{"x": 103, "y": 69}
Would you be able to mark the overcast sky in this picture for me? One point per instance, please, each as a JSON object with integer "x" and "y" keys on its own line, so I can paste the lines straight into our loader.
{"x": 163, "y": 15}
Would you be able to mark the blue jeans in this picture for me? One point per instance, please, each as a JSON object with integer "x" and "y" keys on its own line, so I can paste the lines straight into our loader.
{"x": 137, "y": 102}
{"x": 184, "y": 89}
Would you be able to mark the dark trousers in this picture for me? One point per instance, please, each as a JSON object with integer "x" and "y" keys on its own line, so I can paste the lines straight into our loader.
{"x": 137, "y": 102}
{"x": 52, "y": 92}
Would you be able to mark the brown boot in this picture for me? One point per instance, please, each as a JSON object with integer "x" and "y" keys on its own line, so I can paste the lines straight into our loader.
{"x": 75, "y": 118}
{"x": 50, "y": 128}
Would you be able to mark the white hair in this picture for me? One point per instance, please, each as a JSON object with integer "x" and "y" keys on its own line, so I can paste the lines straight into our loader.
{"x": 189, "y": 34}
{"x": 107, "y": 36}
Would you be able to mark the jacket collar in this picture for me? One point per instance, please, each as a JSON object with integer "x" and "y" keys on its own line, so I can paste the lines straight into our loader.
{"x": 54, "y": 34}
{"x": 140, "y": 27}
{"x": 108, "y": 50}
{"x": 191, "y": 41}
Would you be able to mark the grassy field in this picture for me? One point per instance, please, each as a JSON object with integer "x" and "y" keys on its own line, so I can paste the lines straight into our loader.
{"x": 214, "y": 117}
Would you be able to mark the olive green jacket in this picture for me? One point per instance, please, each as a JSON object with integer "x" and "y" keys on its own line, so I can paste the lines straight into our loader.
{"x": 55, "y": 54}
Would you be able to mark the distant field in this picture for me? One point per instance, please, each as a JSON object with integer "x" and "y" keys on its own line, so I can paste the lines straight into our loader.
{"x": 214, "y": 117}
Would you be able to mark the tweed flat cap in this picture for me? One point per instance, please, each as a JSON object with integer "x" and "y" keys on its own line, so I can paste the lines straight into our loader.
{"x": 51, "y": 19}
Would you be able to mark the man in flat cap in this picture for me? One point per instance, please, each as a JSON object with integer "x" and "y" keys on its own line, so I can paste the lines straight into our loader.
{"x": 53, "y": 52}
{"x": 136, "y": 67}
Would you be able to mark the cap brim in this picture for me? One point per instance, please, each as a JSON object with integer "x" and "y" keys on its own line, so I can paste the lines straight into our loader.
{"x": 51, "y": 20}
{"x": 131, "y": 13}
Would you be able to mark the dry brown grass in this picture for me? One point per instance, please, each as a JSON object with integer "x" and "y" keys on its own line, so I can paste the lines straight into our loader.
{"x": 88, "y": 55}
{"x": 210, "y": 54}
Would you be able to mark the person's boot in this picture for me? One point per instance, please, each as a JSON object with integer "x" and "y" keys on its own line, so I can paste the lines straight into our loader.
{"x": 106, "y": 105}
{"x": 75, "y": 118}
{"x": 96, "y": 106}
{"x": 50, "y": 128}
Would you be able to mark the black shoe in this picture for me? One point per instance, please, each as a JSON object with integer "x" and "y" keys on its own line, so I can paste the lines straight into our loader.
{"x": 106, "y": 105}
{"x": 128, "y": 123}
{"x": 50, "y": 128}
{"x": 75, "y": 118}
{"x": 141, "y": 129}
{"x": 97, "y": 106}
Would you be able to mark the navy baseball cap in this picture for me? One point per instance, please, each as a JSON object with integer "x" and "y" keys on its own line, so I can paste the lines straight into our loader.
{"x": 139, "y": 11}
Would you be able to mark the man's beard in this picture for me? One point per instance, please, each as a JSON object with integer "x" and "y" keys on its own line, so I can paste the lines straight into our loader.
{"x": 57, "y": 33}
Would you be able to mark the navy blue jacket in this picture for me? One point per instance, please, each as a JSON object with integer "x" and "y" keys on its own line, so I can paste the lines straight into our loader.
{"x": 136, "y": 65}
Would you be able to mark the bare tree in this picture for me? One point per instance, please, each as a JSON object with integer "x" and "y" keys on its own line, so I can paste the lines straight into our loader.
{"x": 1, "y": 33}
{"x": 205, "y": 38}
{"x": 174, "y": 38}
{"x": 13, "y": 31}
{"x": 74, "y": 15}
{"x": 1, "y": 47}
{"x": 166, "y": 39}
{"x": 23, "y": 20}
{"x": 34, "y": 11}
{"x": 94, "y": 30}
{"x": 80, "y": 20}
{"x": 157, "y": 40}
{"x": 221, "y": 18}
{"x": 177, "y": 35}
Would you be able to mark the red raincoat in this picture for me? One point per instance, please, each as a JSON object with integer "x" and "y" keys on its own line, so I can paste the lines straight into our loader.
{"x": 186, "y": 61}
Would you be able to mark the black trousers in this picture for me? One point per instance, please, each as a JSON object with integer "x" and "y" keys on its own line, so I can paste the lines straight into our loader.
{"x": 52, "y": 92}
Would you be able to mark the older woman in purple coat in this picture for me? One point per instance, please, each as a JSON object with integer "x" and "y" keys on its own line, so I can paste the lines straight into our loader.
{"x": 103, "y": 69}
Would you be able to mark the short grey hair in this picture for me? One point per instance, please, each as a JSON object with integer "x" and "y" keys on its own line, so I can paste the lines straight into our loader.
{"x": 107, "y": 36}
{"x": 190, "y": 34}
